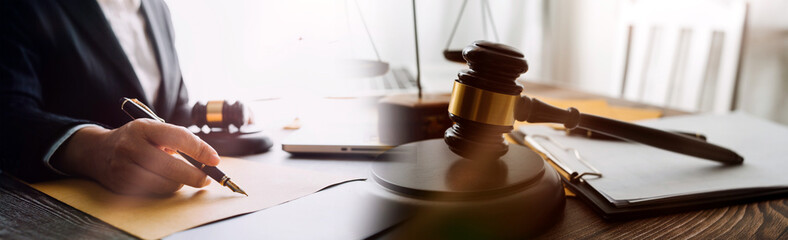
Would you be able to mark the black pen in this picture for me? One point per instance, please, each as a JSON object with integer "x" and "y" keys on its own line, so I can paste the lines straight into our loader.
{"x": 141, "y": 111}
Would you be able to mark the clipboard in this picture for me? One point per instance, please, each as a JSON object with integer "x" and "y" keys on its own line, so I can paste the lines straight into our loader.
{"x": 580, "y": 177}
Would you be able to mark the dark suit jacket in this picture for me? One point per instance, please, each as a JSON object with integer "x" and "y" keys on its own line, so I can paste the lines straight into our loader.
{"x": 61, "y": 65}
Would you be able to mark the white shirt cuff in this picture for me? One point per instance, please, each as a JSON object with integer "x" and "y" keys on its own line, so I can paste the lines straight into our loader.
{"x": 59, "y": 142}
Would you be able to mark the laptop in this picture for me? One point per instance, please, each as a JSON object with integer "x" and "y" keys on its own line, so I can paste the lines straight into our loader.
{"x": 351, "y": 137}
{"x": 344, "y": 140}
{"x": 364, "y": 140}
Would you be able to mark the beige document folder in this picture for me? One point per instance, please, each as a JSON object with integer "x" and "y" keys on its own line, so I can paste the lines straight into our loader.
{"x": 157, "y": 217}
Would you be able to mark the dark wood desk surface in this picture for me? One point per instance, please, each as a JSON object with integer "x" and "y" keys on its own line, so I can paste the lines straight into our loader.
{"x": 28, "y": 214}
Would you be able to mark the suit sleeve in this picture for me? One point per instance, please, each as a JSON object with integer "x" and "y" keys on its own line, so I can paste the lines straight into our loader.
{"x": 26, "y": 132}
{"x": 182, "y": 112}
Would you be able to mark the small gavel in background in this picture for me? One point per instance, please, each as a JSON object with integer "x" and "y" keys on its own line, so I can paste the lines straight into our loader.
{"x": 220, "y": 114}
{"x": 224, "y": 120}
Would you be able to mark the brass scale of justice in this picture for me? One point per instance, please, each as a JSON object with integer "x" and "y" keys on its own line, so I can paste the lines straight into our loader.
{"x": 472, "y": 175}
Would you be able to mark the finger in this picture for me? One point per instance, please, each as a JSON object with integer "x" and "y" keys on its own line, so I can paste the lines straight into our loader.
{"x": 137, "y": 180}
{"x": 168, "y": 166}
{"x": 179, "y": 138}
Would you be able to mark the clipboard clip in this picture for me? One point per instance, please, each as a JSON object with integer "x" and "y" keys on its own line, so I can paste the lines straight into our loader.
{"x": 574, "y": 176}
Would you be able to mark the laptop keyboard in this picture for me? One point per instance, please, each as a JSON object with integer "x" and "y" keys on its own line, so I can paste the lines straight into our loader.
{"x": 397, "y": 79}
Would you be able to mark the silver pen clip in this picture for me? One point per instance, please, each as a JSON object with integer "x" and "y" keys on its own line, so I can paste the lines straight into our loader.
{"x": 141, "y": 106}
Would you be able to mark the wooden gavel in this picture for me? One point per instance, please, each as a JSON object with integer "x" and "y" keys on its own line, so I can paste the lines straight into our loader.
{"x": 486, "y": 101}
{"x": 220, "y": 114}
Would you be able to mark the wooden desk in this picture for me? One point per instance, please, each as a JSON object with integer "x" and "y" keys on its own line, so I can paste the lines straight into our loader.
{"x": 26, "y": 213}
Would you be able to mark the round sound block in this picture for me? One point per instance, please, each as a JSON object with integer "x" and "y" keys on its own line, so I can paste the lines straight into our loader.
{"x": 448, "y": 196}
{"x": 238, "y": 144}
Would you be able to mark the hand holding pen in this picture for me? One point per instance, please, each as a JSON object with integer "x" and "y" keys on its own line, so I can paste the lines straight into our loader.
{"x": 131, "y": 159}
{"x": 136, "y": 109}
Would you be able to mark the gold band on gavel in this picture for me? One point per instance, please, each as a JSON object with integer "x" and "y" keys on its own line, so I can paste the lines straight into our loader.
{"x": 481, "y": 105}
{"x": 213, "y": 111}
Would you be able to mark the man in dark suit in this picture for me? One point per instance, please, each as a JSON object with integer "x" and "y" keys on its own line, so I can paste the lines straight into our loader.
{"x": 64, "y": 65}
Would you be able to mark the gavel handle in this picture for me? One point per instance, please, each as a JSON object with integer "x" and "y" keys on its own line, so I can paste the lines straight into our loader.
{"x": 536, "y": 111}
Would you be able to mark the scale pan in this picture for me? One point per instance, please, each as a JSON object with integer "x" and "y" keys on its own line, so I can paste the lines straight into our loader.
{"x": 359, "y": 68}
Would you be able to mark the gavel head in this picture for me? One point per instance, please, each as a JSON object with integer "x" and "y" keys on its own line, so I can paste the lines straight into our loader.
{"x": 219, "y": 114}
{"x": 483, "y": 100}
